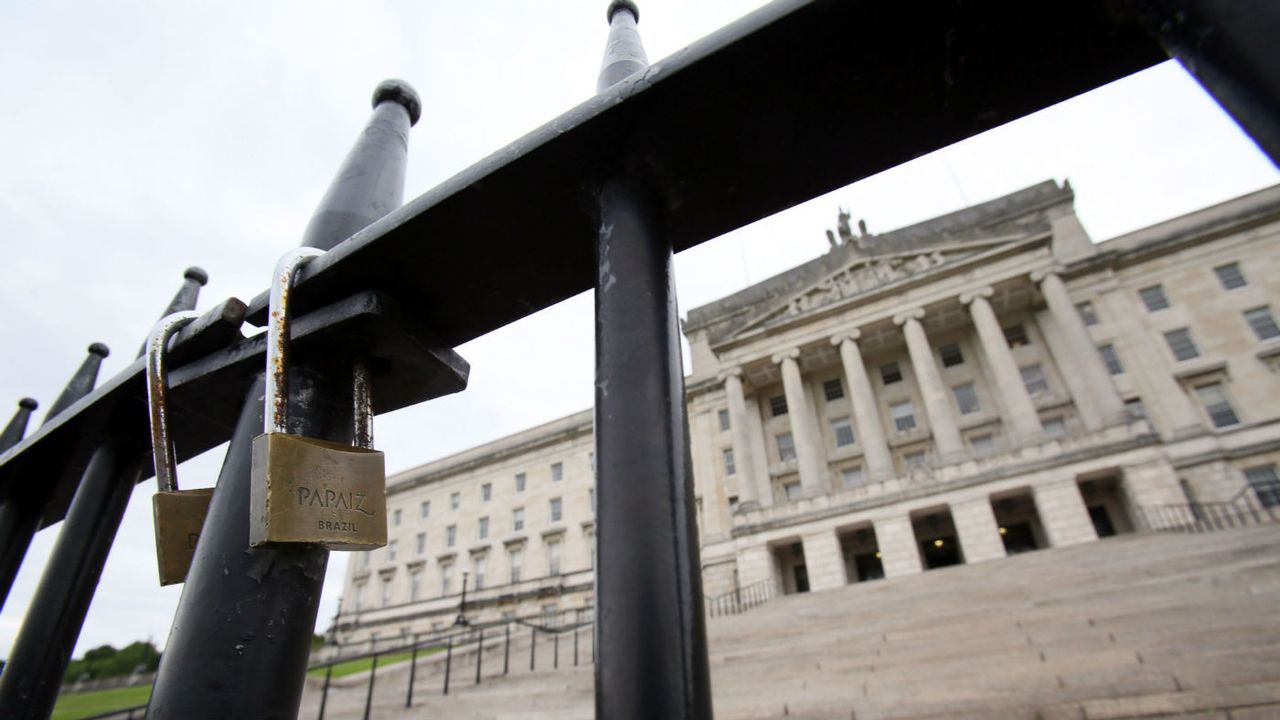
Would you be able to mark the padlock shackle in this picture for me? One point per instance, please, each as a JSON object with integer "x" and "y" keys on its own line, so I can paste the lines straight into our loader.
{"x": 276, "y": 417}
{"x": 162, "y": 453}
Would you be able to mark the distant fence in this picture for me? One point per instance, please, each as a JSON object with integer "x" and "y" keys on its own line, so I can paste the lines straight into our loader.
{"x": 1197, "y": 517}
{"x": 742, "y": 599}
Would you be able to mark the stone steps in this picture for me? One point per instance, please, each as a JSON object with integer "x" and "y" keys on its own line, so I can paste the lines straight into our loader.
{"x": 1133, "y": 627}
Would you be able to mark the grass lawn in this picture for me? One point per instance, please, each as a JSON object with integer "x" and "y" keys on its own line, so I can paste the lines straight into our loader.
{"x": 351, "y": 667}
{"x": 72, "y": 706}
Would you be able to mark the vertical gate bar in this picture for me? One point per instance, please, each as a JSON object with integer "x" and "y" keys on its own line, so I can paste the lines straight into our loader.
{"x": 324, "y": 691}
{"x": 448, "y": 664}
{"x": 20, "y": 513}
{"x": 479, "y": 655}
{"x": 18, "y": 520}
{"x": 52, "y": 625}
{"x": 368, "y": 698}
{"x": 533, "y": 647}
{"x": 555, "y": 656}
{"x": 29, "y": 685}
{"x": 576, "y": 627}
{"x": 413, "y": 669}
{"x": 651, "y": 629}
{"x": 506, "y": 653}
{"x": 251, "y": 661}
{"x": 1229, "y": 49}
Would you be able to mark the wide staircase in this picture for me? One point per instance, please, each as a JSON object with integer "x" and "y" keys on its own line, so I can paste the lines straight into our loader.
{"x": 1138, "y": 626}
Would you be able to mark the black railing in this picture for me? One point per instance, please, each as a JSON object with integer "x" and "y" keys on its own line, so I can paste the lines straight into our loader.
{"x": 742, "y": 599}
{"x": 773, "y": 110}
{"x": 1196, "y": 517}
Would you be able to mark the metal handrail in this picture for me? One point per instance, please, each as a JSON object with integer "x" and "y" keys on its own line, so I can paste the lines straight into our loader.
{"x": 742, "y": 599}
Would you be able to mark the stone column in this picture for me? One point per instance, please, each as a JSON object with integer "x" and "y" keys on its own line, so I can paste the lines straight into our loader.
{"x": 866, "y": 414}
{"x": 1168, "y": 404}
{"x": 1063, "y": 513}
{"x": 1077, "y": 383}
{"x": 802, "y": 433}
{"x": 898, "y": 552}
{"x": 1021, "y": 416}
{"x": 937, "y": 404}
{"x": 975, "y": 522}
{"x": 743, "y": 453}
{"x": 755, "y": 564}
{"x": 823, "y": 560}
{"x": 1085, "y": 359}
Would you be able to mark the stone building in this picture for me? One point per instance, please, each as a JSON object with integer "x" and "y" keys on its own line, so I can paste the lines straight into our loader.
{"x": 981, "y": 384}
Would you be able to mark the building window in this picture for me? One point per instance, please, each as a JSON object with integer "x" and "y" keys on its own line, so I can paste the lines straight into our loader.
{"x": 852, "y": 477}
{"x": 1033, "y": 379}
{"x": 1217, "y": 405}
{"x": 421, "y": 543}
{"x": 591, "y": 458}
{"x": 983, "y": 445}
{"x": 515, "y": 560}
{"x": 1136, "y": 409}
{"x": 1230, "y": 276}
{"x": 386, "y": 592}
{"x": 553, "y": 557}
{"x": 843, "y": 430}
{"x": 557, "y": 472}
{"x": 890, "y": 373}
{"x": 1181, "y": 344}
{"x": 904, "y": 417}
{"x": 415, "y": 585}
{"x": 424, "y": 509}
{"x": 1088, "y": 315}
{"x": 1111, "y": 359}
{"x": 1153, "y": 297}
{"x": 778, "y": 405}
{"x": 555, "y": 509}
{"x": 479, "y": 564}
{"x": 359, "y": 596}
{"x": 591, "y": 495}
{"x": 455, "y": 500}
{"x": 1016, "y": 336}
{"x": 833, "y": 389}
{"x": 391, "y": 551}
{"x": 486, "y": 492}
{"x": 451, "y": 536}
{"x": 482, "y": 528}
{"x": 517, "y": 519}
{"x": 1055, "y": 427}
{"x": 520, "y": 482}
{"x": 446, "y": 578}
{"x": 724, "y": 420}
{"x": 1262, "y": 322}
{"x": 786, "y": 447}
{"x": 395, "y": 518}
{"x": 792, "y": 491}
{"x": 914, "y": 459}
{"x": 591, "y": 544}
{"x": 364, "y": 562}
{"x": 729, "y": 467}
{"x": 967, "y": 398}
{"x": 951, "y": 355}
{"x": 1265, "y": 483}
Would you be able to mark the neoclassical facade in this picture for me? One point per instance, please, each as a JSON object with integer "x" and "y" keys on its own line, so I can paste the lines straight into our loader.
{"x": 985, "y": 383}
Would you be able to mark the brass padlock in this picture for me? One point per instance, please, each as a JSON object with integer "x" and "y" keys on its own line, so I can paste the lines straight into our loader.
{"x": 306, "y": 490}
{"x": 179, "y": 514}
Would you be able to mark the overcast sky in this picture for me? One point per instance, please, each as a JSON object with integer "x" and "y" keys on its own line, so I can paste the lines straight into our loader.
{"x": 138, "y": 138}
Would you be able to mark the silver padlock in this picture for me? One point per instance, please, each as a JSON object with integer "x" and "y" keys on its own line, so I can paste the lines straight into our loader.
{"x": 306, "y": 490}
{"x": 179, "y": 514}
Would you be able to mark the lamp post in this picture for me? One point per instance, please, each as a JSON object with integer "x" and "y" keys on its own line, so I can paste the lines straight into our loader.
{"x": 462, "y": 604}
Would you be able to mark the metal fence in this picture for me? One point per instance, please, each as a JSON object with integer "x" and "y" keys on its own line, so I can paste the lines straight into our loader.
{"x": 742, "y": 599}
{"x": 1198, "y": 517}
{"x": 797, "y": 99}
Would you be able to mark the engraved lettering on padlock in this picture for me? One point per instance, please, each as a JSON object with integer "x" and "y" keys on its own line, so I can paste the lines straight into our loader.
{"x": 306, "y": 490}
{"x": 178, "y": 514}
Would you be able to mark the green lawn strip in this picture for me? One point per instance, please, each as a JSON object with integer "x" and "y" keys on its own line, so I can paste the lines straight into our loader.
{"x": 351, "y": 667}
{"x": 72, "y": 706}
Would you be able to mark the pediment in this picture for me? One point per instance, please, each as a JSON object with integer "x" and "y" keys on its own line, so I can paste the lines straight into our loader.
{"x": 864, "y": 276}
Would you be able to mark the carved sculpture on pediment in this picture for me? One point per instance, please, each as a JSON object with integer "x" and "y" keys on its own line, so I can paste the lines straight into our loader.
{"x": 842, "y": 225}
{"x": 860, "y": 278}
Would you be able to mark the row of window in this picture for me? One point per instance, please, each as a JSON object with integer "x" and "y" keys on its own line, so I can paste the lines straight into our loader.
{"x": 486, "y": 492}
{"x": 1183, "y": 347}
{"x": 477, "y": 574}
{"x": 1230, "y": 276}
{"x": 555, "y": 513}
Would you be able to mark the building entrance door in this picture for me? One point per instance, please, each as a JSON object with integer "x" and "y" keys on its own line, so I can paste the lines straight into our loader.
{"x": 941, "y": 552}
{"x": 868, "y": 566}
{"x": 802, "y": 578}
{"x": 1102, "y": 521}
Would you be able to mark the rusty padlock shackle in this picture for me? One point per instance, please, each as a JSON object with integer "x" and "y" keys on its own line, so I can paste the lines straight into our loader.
{"x": 276, "y": 417}
{"x": 162, "y": 453}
